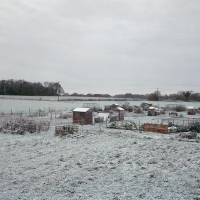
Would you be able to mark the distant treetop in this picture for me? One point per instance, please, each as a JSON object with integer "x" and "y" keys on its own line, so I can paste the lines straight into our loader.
{"x": 22, "y": 87}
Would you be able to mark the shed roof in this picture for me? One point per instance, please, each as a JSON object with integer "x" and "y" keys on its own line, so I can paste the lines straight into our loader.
{"x": 190, "y": 107}
{"x": 81, "y": 109}
{"x": 152, "y": 107}
{"x": 119, "y": 108}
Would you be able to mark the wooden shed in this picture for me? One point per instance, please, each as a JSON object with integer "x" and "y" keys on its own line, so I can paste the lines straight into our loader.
{"x": 83, "y": 116}
{"x": 121, "y": 113}
{"x": 190, "y": 110}
{"x": 115, "y": 108}
{"x": 152, "y": 111}
{"x": 119, "y": 110}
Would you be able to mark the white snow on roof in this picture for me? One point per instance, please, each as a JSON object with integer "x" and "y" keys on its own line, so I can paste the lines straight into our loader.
{"x": 81, "y": 109}
{"x": 119, "y": 108}
{"x": 151, "y": 107}
{"x": 190, "y": 107}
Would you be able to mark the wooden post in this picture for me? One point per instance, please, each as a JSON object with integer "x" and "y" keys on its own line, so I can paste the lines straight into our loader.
{"x": 139, "y": 124}
{"x": 21, "y": 119}
{"x": 11, "y": 123}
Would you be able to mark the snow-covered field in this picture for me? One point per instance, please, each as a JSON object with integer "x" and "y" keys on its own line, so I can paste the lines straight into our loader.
{"x": 24, "y": 104}
{"x": 97, "y": 163}
{"x": 106, "y": 164}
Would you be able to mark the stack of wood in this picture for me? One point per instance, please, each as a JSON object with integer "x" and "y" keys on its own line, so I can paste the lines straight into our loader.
{"x": 159, "y": 128}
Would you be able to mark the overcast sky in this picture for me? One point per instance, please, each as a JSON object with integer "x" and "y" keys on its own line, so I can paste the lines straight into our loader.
{"x": 102, "y": 46}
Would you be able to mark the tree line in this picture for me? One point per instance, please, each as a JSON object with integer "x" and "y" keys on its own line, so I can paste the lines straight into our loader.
{"x": 154, "y": 96}
{"x": 75, "y": 94}
{"x": 179, "y": 96}
{"x": 22, "y": 87}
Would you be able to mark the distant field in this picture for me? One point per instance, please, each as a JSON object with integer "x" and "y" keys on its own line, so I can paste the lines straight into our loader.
{"x": 55, "y": 98}
{"x": 33, "y": 103}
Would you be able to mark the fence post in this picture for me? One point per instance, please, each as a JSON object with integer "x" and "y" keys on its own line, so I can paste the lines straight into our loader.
{"x": 139, "y": 124}
{"x": 21, "y": 120}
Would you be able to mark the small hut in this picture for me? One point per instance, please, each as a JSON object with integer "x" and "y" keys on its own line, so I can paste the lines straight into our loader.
{"x": 121, "y": 113}
{"x": 152, "y": 111}
{"x": 83, "y": 116}
{"x": 190, "y": 110}
{"x": 119, "y": 110}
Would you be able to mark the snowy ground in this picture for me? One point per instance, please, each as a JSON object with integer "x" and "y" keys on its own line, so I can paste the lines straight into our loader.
{"x": 99, "y": 163}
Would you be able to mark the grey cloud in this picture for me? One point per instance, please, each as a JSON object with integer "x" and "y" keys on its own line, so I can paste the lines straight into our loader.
{"x": 105, "y": 46}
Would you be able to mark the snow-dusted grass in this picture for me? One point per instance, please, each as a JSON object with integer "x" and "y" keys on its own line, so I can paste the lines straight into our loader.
{"x": 102, "y": 164}
{"x": 96, "y": 163}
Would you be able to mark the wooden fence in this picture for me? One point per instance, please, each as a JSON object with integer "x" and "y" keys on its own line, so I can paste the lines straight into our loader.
{"x": 159, "y": 128}
{"x": 180, "y": 121}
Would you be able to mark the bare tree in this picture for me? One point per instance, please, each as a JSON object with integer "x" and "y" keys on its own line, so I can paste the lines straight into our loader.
{"x": 187, "y": 95}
